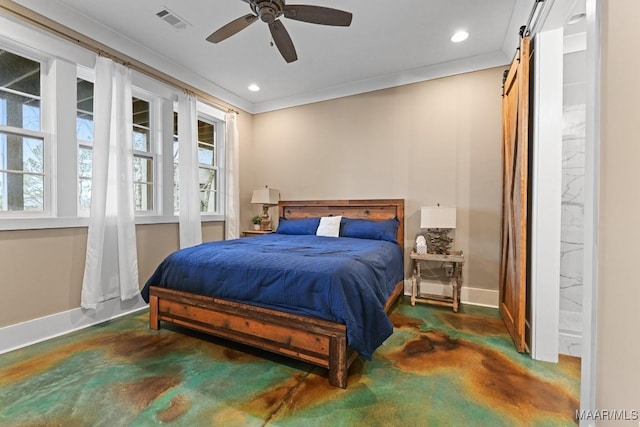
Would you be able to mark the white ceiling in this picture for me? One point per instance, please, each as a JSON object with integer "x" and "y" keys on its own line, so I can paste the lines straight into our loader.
{"x": 389, "y": 43}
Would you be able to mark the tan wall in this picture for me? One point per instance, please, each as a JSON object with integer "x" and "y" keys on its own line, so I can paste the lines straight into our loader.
{"x": 432, "y": 142}
{"x": 42, "y": 270}
{"x": 618, "y": 376}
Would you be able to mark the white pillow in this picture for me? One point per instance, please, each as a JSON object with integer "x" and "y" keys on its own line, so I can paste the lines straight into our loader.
{"x": 329, "y": 226}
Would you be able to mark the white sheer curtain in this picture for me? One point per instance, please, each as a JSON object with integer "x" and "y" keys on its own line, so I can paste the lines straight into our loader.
{"x": 190, "y": 223}
{"x": 232, "y": 221}
{"x": 111, "y": 266}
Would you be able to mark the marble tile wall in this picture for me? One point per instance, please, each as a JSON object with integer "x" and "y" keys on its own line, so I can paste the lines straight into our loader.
{"x": 573, "y": 163}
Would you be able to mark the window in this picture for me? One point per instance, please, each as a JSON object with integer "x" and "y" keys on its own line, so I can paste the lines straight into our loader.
{"x": 22, "y": 142}
{"x": 209, "y": 152}
{"x": 176, "y": 170}
{"x": 47, "y": 140}
{"x": 143, "y": 159}
{"x": 84, "y": 134}
{"x": 207, "y": 167}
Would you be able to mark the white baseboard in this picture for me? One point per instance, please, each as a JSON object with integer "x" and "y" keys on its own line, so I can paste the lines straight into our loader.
{"x": 481, "y": 297}
{"x": 468, "y": 295}
{"x": 33, "y": 331}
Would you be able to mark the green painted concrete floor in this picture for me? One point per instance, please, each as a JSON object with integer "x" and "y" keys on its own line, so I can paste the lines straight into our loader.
{"x": 438, "y": 368}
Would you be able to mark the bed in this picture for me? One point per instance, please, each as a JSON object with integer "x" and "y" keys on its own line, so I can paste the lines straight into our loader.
{"x": 281, "y": 322}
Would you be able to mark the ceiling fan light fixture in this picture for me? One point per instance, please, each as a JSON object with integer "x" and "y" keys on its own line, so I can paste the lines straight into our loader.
{"x": 254, "y": 87}
{"x": 459, "y": 36}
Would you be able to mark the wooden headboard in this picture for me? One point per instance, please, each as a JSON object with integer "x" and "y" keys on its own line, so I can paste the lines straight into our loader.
{"x": 375, "y": 210}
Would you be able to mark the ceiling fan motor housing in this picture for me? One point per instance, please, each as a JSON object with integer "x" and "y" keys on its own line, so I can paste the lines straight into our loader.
{"x": 268, "y": 10}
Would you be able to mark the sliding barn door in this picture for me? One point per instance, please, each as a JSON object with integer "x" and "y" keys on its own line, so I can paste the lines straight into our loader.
{"x": 513, "y": 262}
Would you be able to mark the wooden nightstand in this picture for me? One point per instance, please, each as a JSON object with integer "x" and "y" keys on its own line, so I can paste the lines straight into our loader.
{"x": 253, "y": 233}
{"x": 453, "y": 263}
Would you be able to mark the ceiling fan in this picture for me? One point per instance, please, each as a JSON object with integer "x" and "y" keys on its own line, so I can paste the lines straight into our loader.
{"x": 270, "y": 10}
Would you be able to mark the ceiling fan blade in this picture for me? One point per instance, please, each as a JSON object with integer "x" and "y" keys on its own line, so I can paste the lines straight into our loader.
{"x": 283, "y": 41}
{"x": 232, "y": 27}
{"x": 318, "y": 15}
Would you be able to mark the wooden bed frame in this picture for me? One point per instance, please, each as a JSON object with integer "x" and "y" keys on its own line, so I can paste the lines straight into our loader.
{"x": 311, "y": 339}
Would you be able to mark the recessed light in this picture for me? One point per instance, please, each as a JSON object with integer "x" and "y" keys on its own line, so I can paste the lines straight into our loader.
{"x": 576, "y": 18}
{"x": 459, "y": 36}
{"x": 254, "y": 87}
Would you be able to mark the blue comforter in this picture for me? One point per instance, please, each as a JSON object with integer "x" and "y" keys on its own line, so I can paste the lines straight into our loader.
{"x": 345, "y": 280}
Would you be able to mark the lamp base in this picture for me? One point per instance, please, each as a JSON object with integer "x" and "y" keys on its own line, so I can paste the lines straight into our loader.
{"x": 265, "y": 224}
{"x": 438, "y": 241}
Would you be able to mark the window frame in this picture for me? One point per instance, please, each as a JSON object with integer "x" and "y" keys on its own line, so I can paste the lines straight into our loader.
{"x": 152, "y": 100}
{"x": 213, "y": 115}
{"x": 214, "y": 167}
{"x": 175, "y": 170}
{"x": 44, "y": 134}
{"x": 61, "y": 64}
{"x": 89, "y": 76}
{"x": 216, "y": 117}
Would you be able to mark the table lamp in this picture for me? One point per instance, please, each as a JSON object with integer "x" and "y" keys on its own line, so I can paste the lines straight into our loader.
{"x": 438, "y": 220}
{"x": 266, "y": 197}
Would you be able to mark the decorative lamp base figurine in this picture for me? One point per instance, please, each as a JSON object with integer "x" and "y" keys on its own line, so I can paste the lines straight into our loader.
{"x": 438, "y": 220}
{"x": 438, "y": 241}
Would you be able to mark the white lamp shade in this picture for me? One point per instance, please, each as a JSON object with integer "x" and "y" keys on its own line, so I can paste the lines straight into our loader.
{"x": 266, "y": 196}
{"x": 437, "y": 217}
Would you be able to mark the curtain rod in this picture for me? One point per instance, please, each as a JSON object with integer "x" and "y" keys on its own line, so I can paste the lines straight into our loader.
{"x": 24, "y": 14}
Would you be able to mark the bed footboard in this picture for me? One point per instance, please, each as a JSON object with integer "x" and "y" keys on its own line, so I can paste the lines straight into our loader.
{"x": 313, "y": 340}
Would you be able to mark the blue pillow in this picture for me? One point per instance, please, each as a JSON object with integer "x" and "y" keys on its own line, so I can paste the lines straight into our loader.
{"x": 298, "y": 226}
{"x": 367, "y": 229}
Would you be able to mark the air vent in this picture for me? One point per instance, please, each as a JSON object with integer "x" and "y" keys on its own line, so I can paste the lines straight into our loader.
{"x": 172, "y": 19}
